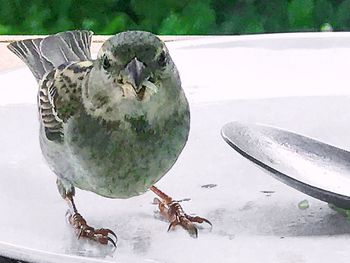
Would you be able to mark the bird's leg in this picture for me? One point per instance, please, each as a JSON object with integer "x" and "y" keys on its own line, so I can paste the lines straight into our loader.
{"x": 173, "y": 212}
{"x": 83, "y": 230}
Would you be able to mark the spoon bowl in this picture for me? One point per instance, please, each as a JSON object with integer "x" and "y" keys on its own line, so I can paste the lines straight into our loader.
{"x": 310, "y": 166}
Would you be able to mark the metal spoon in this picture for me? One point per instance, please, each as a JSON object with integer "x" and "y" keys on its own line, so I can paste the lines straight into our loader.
{"x": 312, "y": 167}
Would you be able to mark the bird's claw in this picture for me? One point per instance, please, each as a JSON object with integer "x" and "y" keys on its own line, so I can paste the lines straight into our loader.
{"x": 198, "y": 219}
{"x": 176, "y": 215}
{"x": 83, "y": 230}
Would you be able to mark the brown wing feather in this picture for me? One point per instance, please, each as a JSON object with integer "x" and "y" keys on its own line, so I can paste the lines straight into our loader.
{"x": 52, "y": 124}
{"x": 57, "y": 90}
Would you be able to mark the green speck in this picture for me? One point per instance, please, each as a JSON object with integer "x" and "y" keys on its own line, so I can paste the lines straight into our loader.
{"x": 326, "y": 27}
{"x": 303, "y": 205}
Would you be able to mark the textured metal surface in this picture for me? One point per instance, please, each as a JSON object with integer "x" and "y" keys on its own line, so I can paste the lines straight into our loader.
{"x": 315, "y": 168}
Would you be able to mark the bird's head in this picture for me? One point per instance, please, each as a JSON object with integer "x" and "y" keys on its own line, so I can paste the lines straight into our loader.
{"x": 133, "y": 74}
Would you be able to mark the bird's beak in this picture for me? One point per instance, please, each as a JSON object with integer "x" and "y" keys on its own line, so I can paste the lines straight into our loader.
{"x": 134, "y": 73}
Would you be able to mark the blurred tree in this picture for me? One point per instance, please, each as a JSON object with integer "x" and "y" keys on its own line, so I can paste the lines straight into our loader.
{"x": 188, "y": 21}
{"x": 274, "y": 15}
{"x": 173, "y": 16}
{"x": 300, "y": 15}
{"x": 324, "y": 13}
{"x": 342, "y": 17}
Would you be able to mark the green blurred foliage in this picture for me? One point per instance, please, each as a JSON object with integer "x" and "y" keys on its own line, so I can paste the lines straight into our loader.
{"x": 173, "y": 16}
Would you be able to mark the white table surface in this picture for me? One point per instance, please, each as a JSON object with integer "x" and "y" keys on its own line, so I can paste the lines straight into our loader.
{"x": 294, "y": 81}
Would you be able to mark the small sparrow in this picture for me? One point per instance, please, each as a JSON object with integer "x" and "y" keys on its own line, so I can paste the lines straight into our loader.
{"x": 113, "y": 126}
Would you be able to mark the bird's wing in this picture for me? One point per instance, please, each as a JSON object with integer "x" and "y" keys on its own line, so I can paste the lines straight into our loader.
{"x": 59, "y": 97}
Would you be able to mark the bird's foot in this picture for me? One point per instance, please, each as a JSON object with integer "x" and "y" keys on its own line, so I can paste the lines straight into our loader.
{"x": 173, "y": 212}
{"x": 83, "y": 230}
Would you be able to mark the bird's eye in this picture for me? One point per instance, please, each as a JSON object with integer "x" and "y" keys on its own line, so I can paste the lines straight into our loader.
{"x": 105, "y": 63}
{"x": 162, "y": 59}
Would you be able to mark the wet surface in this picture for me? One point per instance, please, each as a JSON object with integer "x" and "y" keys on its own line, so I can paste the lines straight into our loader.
{"x": 239, "y": 210}
{"x": 249, "y": 209}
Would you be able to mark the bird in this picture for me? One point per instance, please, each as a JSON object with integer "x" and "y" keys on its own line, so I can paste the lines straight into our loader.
{"x": 113, "y": 125}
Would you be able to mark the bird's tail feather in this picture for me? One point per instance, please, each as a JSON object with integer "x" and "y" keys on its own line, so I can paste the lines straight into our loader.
{"x": 44, "y": 54}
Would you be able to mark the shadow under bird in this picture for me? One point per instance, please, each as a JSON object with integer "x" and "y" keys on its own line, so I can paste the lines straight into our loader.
{"x": 113, "y": 126}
